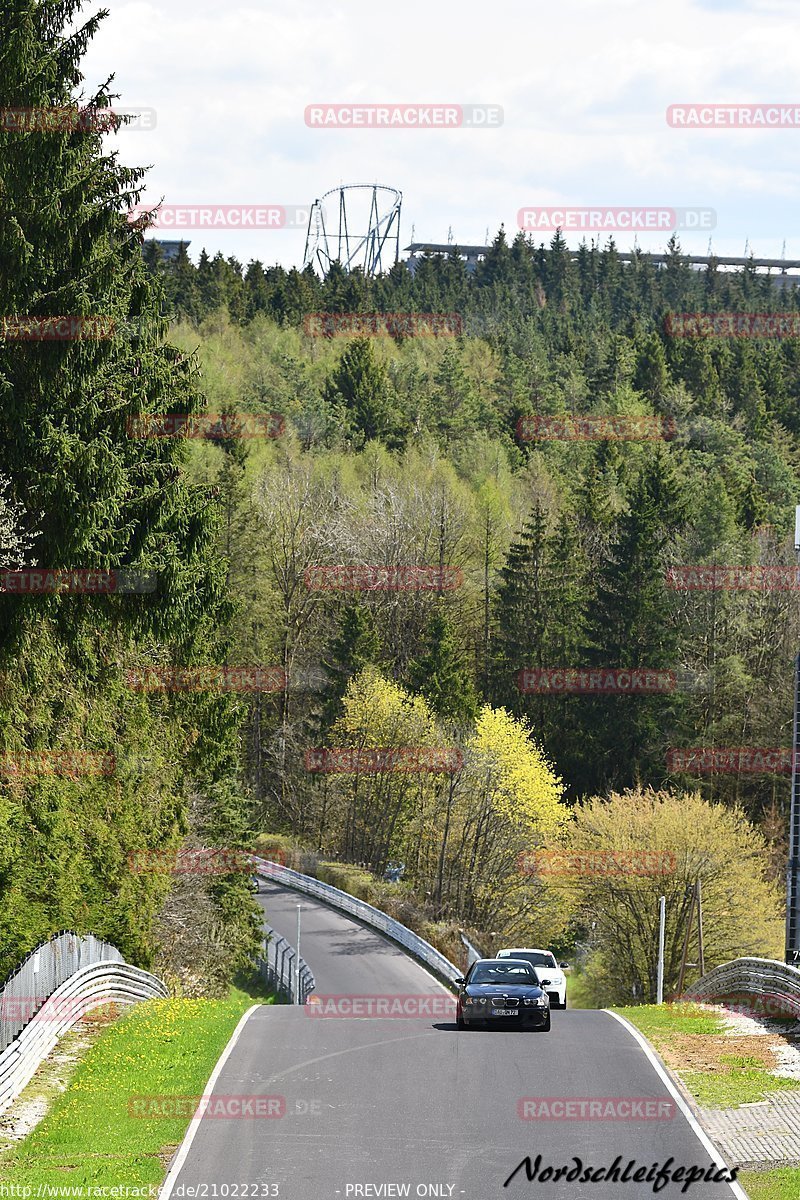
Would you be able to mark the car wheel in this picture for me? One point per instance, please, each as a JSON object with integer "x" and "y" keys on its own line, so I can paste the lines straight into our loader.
{"x": 460, "y": 1022}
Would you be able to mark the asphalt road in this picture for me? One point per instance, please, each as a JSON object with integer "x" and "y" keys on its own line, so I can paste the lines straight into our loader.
{"x": 383, "y": 1106}
{"x": 346, "y": 958}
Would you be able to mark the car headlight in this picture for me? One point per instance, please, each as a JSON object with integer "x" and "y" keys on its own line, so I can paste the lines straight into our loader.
{"x": 542, "y": 1001}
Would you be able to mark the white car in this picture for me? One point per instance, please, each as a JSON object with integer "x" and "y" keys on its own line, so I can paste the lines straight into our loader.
{"x": 546, "y": 967}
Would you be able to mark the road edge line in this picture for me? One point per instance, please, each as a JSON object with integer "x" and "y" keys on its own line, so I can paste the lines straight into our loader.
{"x": 663, "y": 1072}
{"x": 183, "y": 1150}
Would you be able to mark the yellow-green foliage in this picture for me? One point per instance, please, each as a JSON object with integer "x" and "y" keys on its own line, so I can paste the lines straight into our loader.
{"x": 665, "y": 842}
{"x": 380, "y": 713}
{"x": 522, "y": 786}
{"x": 459, "y": 831}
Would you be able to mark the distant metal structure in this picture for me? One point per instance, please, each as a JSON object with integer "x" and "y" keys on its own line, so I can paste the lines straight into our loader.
{"x": 373, "y": 210}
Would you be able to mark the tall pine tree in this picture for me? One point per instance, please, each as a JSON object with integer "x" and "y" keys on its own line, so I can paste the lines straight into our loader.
{"x": 96, "y": 497}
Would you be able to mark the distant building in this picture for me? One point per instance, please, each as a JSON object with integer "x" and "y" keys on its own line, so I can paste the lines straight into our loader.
{"x": 784, "y": 271}
{"x": 169, "y": 250}
{"x": 470, "y": 254}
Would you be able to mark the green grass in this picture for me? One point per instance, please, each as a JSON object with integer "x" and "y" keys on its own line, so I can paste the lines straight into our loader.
{"x": 745, "y": 1081}
{"x": 659, "y": 1022}
{"x": 737, "y": 1080}
{"x": 742, "y": 1080}
{"x": 782, "y": 1183}
{"x": 577, "y": 991}
{"x": 161, "y": 1048}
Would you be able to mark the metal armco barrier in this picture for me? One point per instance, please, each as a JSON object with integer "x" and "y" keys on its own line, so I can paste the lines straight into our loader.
{"x": 277, "y": 968}
{"x": 473, "y": 953}
{"x": 87, "y": 988}
{"x": 415, "y": 945}
{"x": 774, "y": 982}
{"x": 45, "y": 969}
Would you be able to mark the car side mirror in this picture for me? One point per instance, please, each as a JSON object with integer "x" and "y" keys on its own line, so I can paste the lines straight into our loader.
{"x": 459, "y": 979}
{"x": 544, "y": 983}
{"x": 564, "y": 966}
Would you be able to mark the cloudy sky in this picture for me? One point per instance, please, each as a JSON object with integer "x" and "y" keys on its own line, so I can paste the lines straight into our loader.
{"x": 584, "y": 86}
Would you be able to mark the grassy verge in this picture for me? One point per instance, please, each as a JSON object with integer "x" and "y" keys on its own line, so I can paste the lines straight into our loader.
{"x": 161, "y": 1048}
{"x": 783, "y": 1183}
{"x": 742, "y": 1079}
{"x": 577, "y": 991}
{"x": 684, "y": 1033}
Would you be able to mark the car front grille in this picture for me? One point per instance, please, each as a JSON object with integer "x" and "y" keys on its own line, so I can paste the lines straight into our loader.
{"x": 505, "y": 1001}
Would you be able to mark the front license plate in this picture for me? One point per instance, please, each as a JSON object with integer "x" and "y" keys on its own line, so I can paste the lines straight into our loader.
{"x": 505, "y": 1012}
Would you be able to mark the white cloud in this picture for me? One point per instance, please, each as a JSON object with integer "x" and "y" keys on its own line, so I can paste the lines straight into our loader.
{"x": 584, "y": 84}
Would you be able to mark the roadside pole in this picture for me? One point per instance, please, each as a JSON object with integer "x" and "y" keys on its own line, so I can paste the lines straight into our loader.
{"x": 297, "y": 962}
{"x": 662, "y": 913}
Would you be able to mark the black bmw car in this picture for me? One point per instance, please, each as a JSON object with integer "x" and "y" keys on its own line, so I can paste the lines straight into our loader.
{"x": 502, "y": 991}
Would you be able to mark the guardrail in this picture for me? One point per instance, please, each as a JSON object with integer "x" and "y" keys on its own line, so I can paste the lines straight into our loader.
{"x": 473, "y": 953}
{"x": 277, "y": 968}
{"x": 42, "y": 971}
{"x": 766, "y": 978}
{"x": 87, "y": 988}
{"x": 412, "y": 942}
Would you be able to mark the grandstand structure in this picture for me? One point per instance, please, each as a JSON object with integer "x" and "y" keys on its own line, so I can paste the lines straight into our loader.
{"x": 788, "y": 269}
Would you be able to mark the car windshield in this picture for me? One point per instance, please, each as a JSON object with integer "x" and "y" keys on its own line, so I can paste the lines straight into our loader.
{"x": 516, "y": 972}
{"x": 535, "y": 958}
